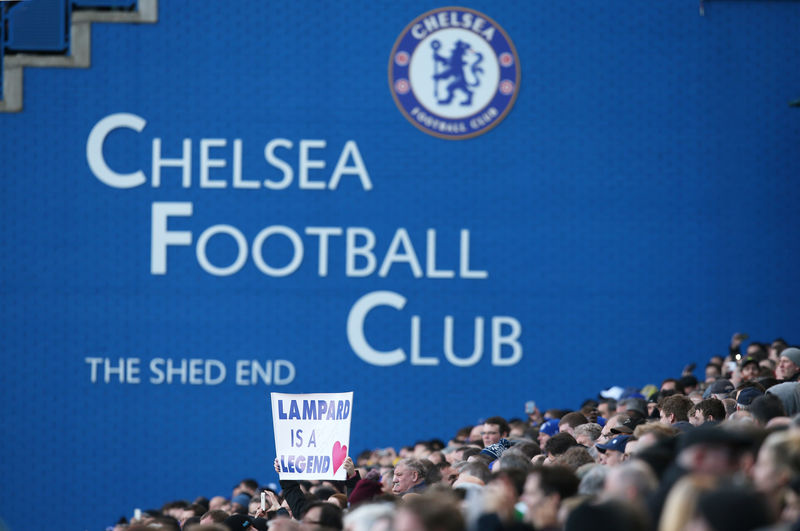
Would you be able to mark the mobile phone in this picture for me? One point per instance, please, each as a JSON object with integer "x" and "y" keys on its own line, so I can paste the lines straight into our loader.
{"x": 530, "y": 407}
{"x": 731, "y": 366}
{"x": 263, "y": 501}
{"x": 137, "y": 514}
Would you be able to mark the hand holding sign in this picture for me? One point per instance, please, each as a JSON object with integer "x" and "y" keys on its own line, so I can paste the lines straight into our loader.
{"x": 349, "y": 467}
{"x": 312, "y": 433}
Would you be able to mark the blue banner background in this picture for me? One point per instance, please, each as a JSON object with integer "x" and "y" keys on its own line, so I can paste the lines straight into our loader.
{"x": 636, "y": 207}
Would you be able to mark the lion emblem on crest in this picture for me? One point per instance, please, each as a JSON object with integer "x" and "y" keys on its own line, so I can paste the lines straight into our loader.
{"x": 456, "y": 67}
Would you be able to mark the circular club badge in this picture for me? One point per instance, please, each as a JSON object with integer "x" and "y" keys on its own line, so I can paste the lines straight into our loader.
{"x": 454, "y": 73}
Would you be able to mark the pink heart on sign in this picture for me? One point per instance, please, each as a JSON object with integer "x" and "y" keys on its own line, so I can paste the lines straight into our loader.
{"x": 339, "y": 454}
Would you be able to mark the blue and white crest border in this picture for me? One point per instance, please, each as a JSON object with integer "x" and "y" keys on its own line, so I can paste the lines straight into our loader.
{"x": 426, "y": 119}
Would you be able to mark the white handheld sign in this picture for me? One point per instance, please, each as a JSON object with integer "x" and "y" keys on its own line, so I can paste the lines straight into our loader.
{"x": 312, "y": 434}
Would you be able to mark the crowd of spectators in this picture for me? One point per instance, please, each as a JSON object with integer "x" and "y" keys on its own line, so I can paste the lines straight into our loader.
{"x": 719, "y": 453}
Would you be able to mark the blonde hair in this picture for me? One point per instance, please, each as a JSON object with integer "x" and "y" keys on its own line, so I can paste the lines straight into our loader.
{"x": 681, "y": 504}
{"x": 784, "y": 447}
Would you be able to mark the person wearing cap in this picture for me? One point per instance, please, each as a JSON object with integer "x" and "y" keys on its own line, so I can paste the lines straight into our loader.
{"x": 706, "y": 450}
{"x": 789, "y": 365}
{"x": 688, "y": 383}
{"x": 720, "y": 389}
{"x": 750, "y": 369}
{"x": 633, "y": 406}
{"x": 627, "y": 427}
{"x": 745, "y": 397}
{"x": 715, "y": 450}
{"x": 240, "y": 503}
{"x": 547, "y": 430}
{"x": 789, "y": 394}
{"x": 613, "y": 452}
{"x": 606, "y": 434}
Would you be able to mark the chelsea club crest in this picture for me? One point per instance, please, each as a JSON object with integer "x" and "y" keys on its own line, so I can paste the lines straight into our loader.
{"x": 454, "y": 73}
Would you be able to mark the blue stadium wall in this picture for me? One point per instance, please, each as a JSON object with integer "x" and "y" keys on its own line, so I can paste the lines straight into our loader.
{"x": 636, "y": 206}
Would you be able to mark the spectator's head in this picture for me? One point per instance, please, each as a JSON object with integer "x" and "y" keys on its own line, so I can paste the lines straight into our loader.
{"x": 322, "y": 516}
{"x": 607, "y": 407}
{"x": 778, "y": 462}
{"x": 721, "y": 389}
{"x": 475, "y": 436}
{"x": 750, "y": 369}
{"x": 217, "y": 502}
{"x": 545, "y": 488}
{"x": 789, "y": 394}
{"x": 574, "y": 458}
{"x": 448, "y": 474}
{"x": 247, "y": 486}
{"x": 434, "y": 511}
{"x": 609, "y": 515}
{"x": 369, "y": 516}
{"x": 634, "y": 407}
{"x": 674, "y": 409}
{"x": 606, "y": 434}
{"x": 547, "y": 430}
{"x": 587, "y": 434}
{"x": 494, "y": 429}
{"x": 765, "y": 408}
{"x": 746, "y": 396}
{"x": 215, "y": 516}
{"x": 513, "y": 460}
{"x": 613, "y": 452}
{"x": 239, "y": 522}
{"x": 475, "y": 472}
{"x": 713, "y": 372}
{"x": 714, "y": 450}
{"x": 669, "y": 384}
{"x": 757, "y": 350}
{"x": 407, "y": 474}
{"x": 788, "y": 363}
{"x": 558, "y": 444}
{"x": 652, "y": 433}
{"x": 687, "y": 384}
{"x": 775, "y": 349}
{"x": 570, "y": 421}
{"x": 708, "y": 410}
{"x": 632, "y": 482}
{"x": 732, "y": 508}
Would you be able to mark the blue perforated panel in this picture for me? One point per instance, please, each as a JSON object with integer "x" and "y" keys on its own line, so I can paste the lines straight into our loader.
{"x": 636, "y": 206}
{"x": 38, "y": 26}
